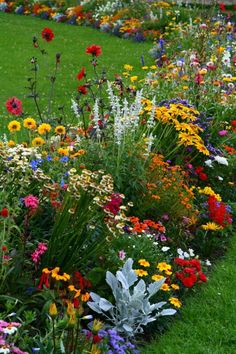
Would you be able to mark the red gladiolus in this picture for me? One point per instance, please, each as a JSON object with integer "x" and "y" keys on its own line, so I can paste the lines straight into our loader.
{"x": 95, "y": 50}
{"x": 14, "y": 106}
{"x": 81, "y": 74}
{"x": 82, "y": 89}
{"x": 47, "y": 34}
{"x": 4, "y": 213}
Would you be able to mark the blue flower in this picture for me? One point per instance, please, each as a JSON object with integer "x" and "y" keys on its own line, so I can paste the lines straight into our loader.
{"x": 64, "y": 159}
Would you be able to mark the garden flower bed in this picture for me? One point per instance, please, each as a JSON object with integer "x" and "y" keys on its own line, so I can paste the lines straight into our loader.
{"x": 114, "y": 207}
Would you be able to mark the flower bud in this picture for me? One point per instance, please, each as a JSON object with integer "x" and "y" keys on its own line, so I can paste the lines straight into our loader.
{"x": 53, "y": 310}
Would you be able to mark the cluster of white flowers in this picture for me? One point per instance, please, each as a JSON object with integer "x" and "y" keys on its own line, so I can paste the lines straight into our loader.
{"x": 220, "y": 159}
{"x": 126, "y": 117}
{"x": 107, "y": 9}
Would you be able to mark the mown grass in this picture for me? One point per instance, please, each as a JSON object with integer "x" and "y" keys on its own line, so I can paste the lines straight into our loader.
{"x": 71, "y": 41}
{"x": 207, "y": 322}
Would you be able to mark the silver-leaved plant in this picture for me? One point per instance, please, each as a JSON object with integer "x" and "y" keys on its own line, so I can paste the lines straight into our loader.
{"x": 132, "y": 308}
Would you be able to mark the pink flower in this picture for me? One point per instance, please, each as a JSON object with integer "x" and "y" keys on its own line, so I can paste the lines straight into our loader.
{"x": 223, "y": 132}
{"x": 122, "y": 255}
{"x": 31, "y": 202}
{"x": 40, "y": 250}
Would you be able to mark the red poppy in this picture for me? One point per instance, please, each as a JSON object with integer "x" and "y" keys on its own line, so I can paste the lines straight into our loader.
{"x": 4, "y": 212}
{"x": 14, "y": 106}
{"x": 47, "y": 34}
{"x": 95, "y": 50}
{"x": 82, "y": 89}
{"x": 81, "y": 74}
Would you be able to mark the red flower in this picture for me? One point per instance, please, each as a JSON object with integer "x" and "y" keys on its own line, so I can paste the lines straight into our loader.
{"x": 203, "y": 176}
{"x": 44, "y": 280}
{"x": 97, "y": 339}
{"x": 233, "y": 123}
{"x": 47, "y": 34}
{"x": 14, "y": 106}
{"x": 222, "y": 6}
{"x": 189, "y": 281}
{"x": 198, "y": 169}
{"x": 95, "y": 50}
{"x": 82, "y": 89}
{"x": 218, "y": 212}
{"x": 4, "y": 248}
{"x": 81, "y": 74}
{"x": 202, "y": 277}
{"x": 4, "y": 213}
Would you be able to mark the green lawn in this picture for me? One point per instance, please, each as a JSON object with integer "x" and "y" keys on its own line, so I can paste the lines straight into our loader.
{"x": 71, "y": 41}
{"x": 207, "y": 322}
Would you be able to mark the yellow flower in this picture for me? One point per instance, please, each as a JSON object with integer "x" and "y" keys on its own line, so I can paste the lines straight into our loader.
{"x": 11, "y": 143}
{"x": 168, "y": 272}
{"x": 128, "y": 67}
{"x": 209, "y": 191}
{"x": 60, "y": 130}
{"x": 144, "y": 67}
{"x": 62, "y": 151}
{"x": 30, "y": 123}
{"x": 211, "y": 226}
{"x": 97, "y": 325}
{"x": 77, "y": 291}
{"x": 85, "y": 297}
{"x": 144, "y": 263}
{"x": 141, "y": 272}
{"x": 53, "y": 310}
{"x": 157, "y": 277}
{"x": 164, "y": 266}
{"x": 72, "y": 320}
{"x": 175, "y": 286}
{"x": 70, "y": 308}
{"x": 133, "y": 78}
{"x": 64, "y": 276}
{"x": 174, "y": 301}
{"x": 14, "y": 126}
{"x": 44, "y": 128}
{"x": 165, "y": 287}
{"x": 38, "y": 141}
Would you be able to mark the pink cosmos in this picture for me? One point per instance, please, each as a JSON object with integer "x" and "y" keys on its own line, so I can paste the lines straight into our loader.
{"x": 31, "y": 202}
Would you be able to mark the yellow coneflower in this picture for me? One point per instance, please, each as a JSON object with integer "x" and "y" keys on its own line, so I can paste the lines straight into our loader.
{"x": 29, "y": 123}
{"x": 44, "y": 128}
{"x": 60, "y": 130}
{"x": 14, "y": 126}
{"x": 38, "y": 141}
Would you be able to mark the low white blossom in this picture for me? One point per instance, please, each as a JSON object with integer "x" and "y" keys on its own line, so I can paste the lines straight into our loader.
{"x": 221, "y": 160}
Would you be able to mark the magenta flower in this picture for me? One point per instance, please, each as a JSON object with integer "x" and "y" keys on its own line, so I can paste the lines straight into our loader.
{"x": 31, "y": 202}
{"x": 40, "y": 250}
{"x": 223, "y": 132}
